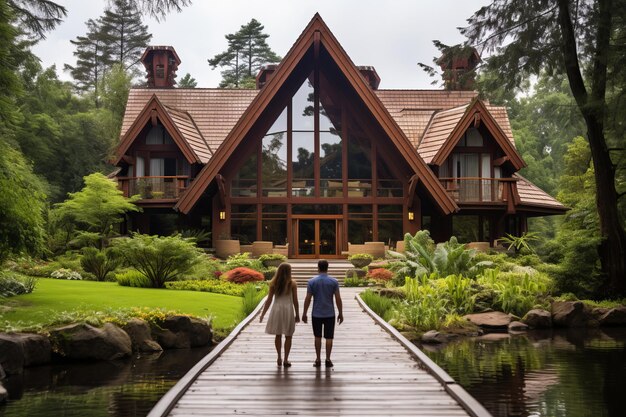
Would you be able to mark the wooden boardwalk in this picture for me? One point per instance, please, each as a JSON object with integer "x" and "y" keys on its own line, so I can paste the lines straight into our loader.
{"x": 374, "y": 375}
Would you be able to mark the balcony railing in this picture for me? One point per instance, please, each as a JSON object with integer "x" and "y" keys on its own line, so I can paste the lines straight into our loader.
{"x": 475, "y": 190}
{"x": 158, "y": 187}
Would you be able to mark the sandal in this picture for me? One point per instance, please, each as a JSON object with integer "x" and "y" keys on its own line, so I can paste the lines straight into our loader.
{"x": 329, "y": 363}
{"x": 287, "y": 364}
{"x": 317, "y": 363}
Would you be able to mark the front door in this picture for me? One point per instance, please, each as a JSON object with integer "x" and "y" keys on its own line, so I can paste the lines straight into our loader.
{"x": 316, "y": 238}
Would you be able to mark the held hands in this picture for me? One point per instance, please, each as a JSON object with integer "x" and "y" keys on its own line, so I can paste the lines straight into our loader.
{"x": 298, "y": 319}
{"x": 304, "y": 319}
{"x": 340, "y": 318}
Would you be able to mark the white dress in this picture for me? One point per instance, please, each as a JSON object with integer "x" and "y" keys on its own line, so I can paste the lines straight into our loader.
{"x": 282, "y": 316}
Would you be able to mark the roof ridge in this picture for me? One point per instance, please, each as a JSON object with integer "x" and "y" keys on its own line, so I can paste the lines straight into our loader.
{"x": 199, "y": 132}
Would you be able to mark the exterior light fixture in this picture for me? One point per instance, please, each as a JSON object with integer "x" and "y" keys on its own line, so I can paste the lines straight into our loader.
{"x": 411, "y": 215}
{"x": 222, "y": 215}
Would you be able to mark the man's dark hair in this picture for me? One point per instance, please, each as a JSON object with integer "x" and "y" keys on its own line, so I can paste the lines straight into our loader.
{"x": 322, "y": 265}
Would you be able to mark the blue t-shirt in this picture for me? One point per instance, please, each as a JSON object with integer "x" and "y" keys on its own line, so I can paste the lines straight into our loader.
{"x": 323, "y": 288}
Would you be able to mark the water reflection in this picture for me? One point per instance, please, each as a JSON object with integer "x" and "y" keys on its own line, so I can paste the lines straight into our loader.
{"x": 122, "y": 388}
{"x": 554, "y": 373}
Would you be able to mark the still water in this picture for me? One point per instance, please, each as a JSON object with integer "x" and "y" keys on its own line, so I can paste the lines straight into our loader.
{"x": 124, "y": 388}
{"x": 554, "y": 373}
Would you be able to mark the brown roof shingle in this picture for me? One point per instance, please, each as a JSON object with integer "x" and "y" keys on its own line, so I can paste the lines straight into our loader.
{"x": 214, "y": 111}
{"x": 189, "y": 130}
{"x": 439, "y": 130}
{"x": 533, "y": 196}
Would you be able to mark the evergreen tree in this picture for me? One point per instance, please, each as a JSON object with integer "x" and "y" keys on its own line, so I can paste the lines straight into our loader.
{"x": 123, "y": 33}
{"x": 247, "y": 52}
{"x": 585, "y": 42}
{"x": 187, "y": 82}
{"x": 91, "y": 56}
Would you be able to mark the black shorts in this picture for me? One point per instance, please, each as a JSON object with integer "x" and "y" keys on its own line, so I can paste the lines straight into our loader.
{"x": 329, "y": 327}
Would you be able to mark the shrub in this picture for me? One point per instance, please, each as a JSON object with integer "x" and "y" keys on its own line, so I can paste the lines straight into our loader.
{"x": 269, "y": 273}
{"x": 380, "y": 275}
{"x": 242, "y": 260}
{"x": 10, "y": 285}
{"x": 100, "y": 263}
{"x": 206, "y": 268}
{"x": 458, "y": 291}
{"x": 354, "y": 281}
{"x": 382, "y": 306}
{"x": 133, "y": 278}
{"x": 160, "y": 259}
{"x": 251, "y": 295}
{"x": 242, "y": 275}
{"x": 64, "y": 273}
{"x": 272, "y": 257}
{"x": 209, "y": 285}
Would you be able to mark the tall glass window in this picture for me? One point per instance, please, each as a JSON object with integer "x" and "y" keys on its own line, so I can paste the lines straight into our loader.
{"x": 390, "y": 224}
{"x": 303, "y": 140}
{"x": 360, "y": 222}
{"x": 274, "y": 224}
{"x": 274, "y": 159}
{"x": 244, "y": 184}
{"x": 243, "y": 222}
{"x": 359, "y": 166}
{"x": 330, "y": 148}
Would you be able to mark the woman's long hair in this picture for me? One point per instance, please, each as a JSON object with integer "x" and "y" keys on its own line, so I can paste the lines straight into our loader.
{"x": 281, "y": 282}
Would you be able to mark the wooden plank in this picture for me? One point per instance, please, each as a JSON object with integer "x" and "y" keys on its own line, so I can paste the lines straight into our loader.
{"x": 373, "y": 375}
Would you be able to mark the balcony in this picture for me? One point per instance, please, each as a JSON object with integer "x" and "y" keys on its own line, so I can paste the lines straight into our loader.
{"x": 476, "y": 190}
{"x": 154, "y": 188}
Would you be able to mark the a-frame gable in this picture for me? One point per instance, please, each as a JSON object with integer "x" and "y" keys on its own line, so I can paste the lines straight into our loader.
{"x": 478, "y": 112}
{"x": 152, "y": 111}
{"x": 315, "y": 33}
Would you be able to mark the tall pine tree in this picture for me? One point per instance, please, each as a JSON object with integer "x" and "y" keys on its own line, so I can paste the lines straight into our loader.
{"x": 123, "y": 33}
{"x": 91, "y": 57}
{"x": 247, "y": 52}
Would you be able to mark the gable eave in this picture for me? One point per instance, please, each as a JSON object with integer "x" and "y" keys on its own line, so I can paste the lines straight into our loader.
{"x": 477, "y": 106}
{"x": 142, "y": 119}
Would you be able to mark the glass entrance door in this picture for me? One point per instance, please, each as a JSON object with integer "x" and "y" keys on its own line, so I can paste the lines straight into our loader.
{"x": 316, "y": 237}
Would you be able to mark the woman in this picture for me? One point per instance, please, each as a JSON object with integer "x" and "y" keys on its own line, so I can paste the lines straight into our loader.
{"x": 282, "y": 320}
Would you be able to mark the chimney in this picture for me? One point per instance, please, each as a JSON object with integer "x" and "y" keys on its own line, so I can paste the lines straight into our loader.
{"x": 370, "y": 75}
{"x": 265, "y": 75}
{"x": 161, "y": 63}
{"x": 458, "y": 64}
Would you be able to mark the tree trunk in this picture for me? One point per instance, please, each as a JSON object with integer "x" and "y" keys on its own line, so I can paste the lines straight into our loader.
{"x": 592, "y": 106}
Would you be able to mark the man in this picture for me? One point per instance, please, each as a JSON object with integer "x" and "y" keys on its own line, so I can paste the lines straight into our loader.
{"x": 323, "y": 288}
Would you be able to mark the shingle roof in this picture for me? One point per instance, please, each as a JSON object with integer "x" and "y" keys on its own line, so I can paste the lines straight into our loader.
{"x": 533, "y": 196}
{"x": 439, "y": 130}
{"x": 186, "y": 126}
{"x": 214, "y": 111}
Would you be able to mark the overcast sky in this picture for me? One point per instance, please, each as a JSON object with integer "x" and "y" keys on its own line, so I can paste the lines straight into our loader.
{"x": 393, "y": 35}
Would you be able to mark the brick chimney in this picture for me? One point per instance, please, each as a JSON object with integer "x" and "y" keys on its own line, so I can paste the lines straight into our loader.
{"x": 458, "y": 65}
{"x": 370, "y": 75}
{"x": 265, "y": 75}
{"x": 161, "y": 63}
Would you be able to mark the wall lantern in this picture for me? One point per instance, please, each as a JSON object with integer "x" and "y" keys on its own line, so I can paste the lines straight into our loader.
{"x": 222, "y": 215}
{"x": 411, "y": 215}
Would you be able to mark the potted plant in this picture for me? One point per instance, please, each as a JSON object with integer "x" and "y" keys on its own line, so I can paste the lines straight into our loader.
{"x": 272, "y": 259}
{"x": 360, "y": 260}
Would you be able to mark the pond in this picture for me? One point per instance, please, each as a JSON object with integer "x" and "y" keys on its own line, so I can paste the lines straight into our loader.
{"x": 554, "y": 373}
{"x": 123, "y": 388}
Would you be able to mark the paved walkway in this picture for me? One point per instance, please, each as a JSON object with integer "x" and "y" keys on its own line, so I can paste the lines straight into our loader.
{"x": 374, "y": 375}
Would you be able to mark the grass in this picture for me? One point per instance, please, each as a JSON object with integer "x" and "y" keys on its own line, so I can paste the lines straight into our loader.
{"x": 52, "y": 297}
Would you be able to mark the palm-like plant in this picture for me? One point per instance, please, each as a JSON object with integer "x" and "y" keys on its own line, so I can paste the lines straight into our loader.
{"x": 520, "y": 242}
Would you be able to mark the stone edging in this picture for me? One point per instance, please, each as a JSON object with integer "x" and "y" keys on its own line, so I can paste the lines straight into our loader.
{"x": 169, "y": 400}
{"x": 465, "y": 400}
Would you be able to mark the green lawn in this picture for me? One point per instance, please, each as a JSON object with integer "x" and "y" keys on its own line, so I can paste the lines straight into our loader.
{"x": 53, "y": 296}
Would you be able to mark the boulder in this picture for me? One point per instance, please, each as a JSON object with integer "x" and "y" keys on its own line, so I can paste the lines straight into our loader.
{"x": 492, "y": 321}
{"x": 11, "y": 354}
{"x": 140, "y": 336}
{"x": 4, "y": 395}
{"x": 538, "y": 319}
{"x": 168, "y": 339}
{"x": 517, "y": 326}
{"x": 569, "y": 314}
{"x": 2, "y": 373}
{"x": 435, "y": 337}
{"x": 37, "y": 349}
{"x": 614, "y": 317}
{"x": 598, "y": 312}
{"x": 82, "y": 341}
{"x": 187, "y": 332}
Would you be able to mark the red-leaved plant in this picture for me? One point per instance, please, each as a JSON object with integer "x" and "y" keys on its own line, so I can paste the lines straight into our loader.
{"x": 380, "y": 274}
{"x": 242, "y": 275}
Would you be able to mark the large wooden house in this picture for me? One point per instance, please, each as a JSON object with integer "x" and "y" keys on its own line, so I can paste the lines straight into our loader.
{"x": 317, "y": 156}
